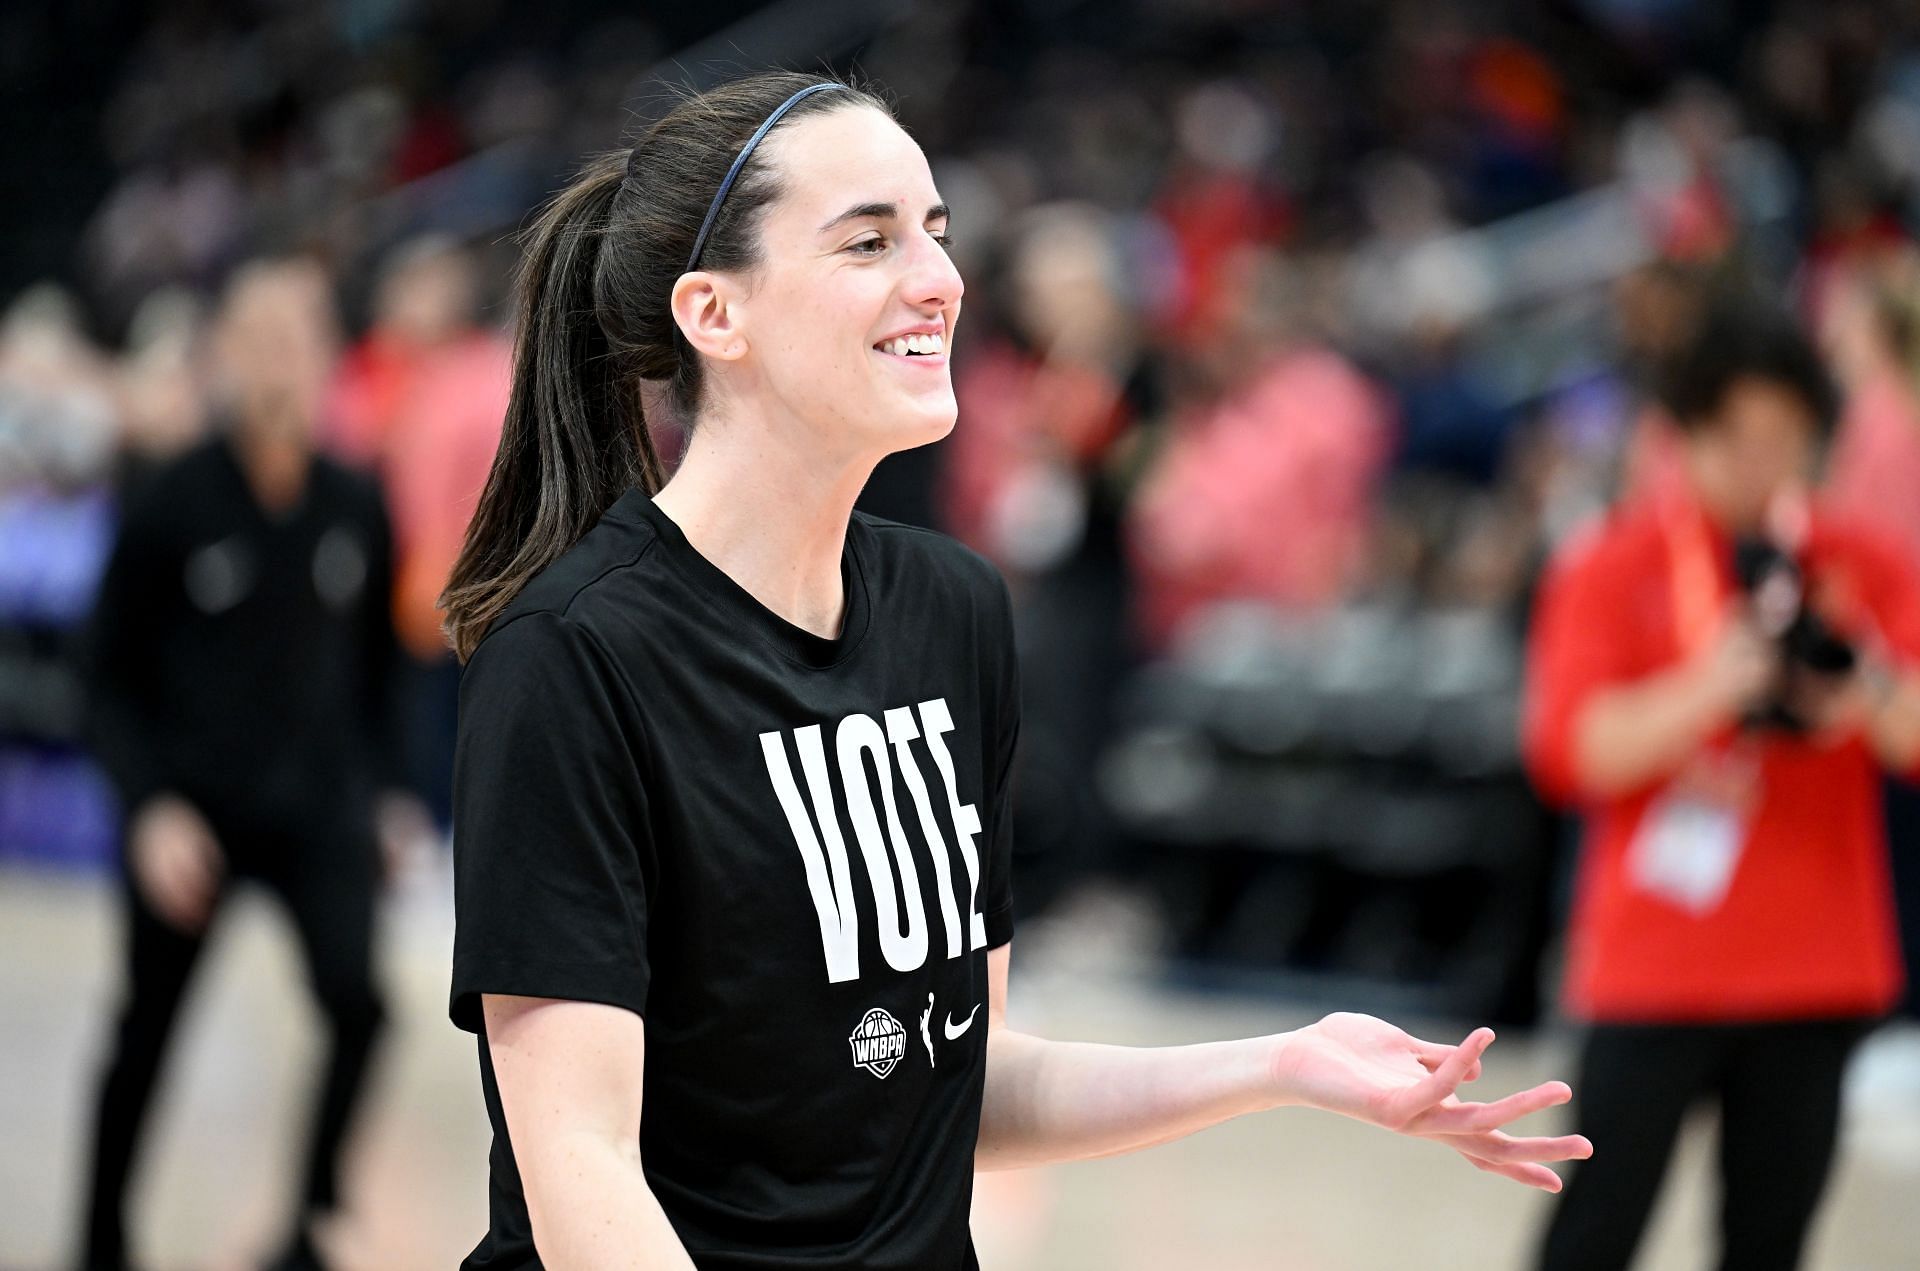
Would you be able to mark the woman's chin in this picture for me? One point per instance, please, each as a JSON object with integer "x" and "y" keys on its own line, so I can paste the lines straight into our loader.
{"x": 919, "y": 422}
{"x": 930, "y": 409}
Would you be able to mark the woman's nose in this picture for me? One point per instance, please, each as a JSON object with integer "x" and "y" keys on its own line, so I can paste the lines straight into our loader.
{"x": 932, "y": 279}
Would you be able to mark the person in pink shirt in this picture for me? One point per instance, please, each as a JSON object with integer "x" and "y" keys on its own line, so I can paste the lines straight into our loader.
{"x": 1870, "y": 331}
{"x": 418, "y": 401}
{"x": 1869, "y": 324}
{"x": 1265, "y": 493}
{"x": 423, "y": 302}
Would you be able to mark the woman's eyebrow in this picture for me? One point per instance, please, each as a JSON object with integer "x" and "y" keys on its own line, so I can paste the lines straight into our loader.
{"x": 881, "y": 211}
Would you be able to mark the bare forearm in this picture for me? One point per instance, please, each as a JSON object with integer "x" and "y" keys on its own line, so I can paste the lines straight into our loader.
{"x": 1636, "y": 733}
{"x": 1052, "y": 1101}
{"x": 593, "y": 1211}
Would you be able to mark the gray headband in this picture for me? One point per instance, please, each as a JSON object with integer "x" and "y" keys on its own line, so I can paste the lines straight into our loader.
{"x": 740, "y": 161}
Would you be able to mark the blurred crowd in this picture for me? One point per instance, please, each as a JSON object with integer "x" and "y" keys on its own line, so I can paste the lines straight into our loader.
{"x": 1291, "y": 328}
{"x": 1298, "y": 339}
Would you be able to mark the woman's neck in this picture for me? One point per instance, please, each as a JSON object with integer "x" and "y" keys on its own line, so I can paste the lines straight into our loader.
{"x": 769, "y": 516}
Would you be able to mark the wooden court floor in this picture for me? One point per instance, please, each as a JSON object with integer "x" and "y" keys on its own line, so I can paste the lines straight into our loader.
{"x": 1296, "y": 1190}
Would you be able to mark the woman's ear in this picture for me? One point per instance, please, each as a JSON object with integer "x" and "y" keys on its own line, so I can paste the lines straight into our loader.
{"x": 703, "y": 309}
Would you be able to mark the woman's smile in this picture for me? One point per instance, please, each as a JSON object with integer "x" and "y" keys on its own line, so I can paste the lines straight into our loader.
{"x": 923, "y": 346}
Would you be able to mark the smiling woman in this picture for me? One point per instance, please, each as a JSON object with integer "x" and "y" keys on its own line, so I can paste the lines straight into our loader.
{"x": 835, "y": 330}
{"x": 732, "y": 785}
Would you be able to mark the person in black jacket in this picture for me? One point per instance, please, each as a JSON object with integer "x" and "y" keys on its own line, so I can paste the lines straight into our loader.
{"x": 241, "y": 648}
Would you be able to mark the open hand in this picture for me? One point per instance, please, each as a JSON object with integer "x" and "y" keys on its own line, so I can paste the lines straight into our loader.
{"x": 1367, "y": 1069}
{"x": 176, "y": 861}
{"x": 1740, "y": 669}
{"x": 404, "y": 829}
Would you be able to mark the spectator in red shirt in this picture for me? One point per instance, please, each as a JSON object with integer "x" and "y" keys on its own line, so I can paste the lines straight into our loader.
{"x": 1732, "y": 934}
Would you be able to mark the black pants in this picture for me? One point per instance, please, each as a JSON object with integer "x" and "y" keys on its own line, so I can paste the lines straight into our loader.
{"x": 1903, "y": 835}
{"x": 1777, "y": 1086}
{"x": 430, "y": 702}
{"x": 329, "y": 888}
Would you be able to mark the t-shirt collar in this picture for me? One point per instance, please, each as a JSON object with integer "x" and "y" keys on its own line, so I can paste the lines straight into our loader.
{"x": 735, "y": 603}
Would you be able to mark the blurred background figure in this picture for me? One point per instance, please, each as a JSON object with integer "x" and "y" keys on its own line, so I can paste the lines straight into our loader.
{"x": 1054, "y": 392}
{"x": 1298, "y": 339}
{"x": 418, "y": 403}
{"x": 242, "y": 651}
{"x": 1870, "y": 332}
{"x": 1717, "y": 675}
{"x": 1265, "y": 489}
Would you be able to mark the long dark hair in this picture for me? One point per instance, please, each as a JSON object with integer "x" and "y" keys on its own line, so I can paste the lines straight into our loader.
{"x": 592, "y": 299}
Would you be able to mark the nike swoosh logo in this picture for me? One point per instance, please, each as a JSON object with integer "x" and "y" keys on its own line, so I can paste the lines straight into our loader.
{"x": 953, "y": 1032}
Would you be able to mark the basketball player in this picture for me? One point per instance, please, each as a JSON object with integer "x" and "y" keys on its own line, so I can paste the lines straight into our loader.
{"x": 731, "y": 789}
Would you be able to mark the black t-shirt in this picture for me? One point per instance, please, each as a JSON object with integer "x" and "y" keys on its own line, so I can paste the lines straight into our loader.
{"x": 788, "y": 853}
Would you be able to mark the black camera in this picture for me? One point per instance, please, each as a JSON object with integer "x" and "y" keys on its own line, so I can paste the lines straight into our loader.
{"x": 1776, "y": 587}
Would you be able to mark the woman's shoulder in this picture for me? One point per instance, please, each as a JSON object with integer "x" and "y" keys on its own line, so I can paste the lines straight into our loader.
{"x": 606, "y": 566}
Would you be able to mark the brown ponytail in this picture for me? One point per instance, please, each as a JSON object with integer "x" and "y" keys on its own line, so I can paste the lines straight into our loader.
{"x": 592, "y": 299}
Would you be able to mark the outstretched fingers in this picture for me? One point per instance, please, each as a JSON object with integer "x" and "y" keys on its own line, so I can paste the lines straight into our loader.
{"x": 1416, "y": 1102}
{"x": 1507, "y": 1149}
{"x": 1432, "y": 1054}
{"x": 1479, "y": 1118}
{"x": 1532, "y": 1175}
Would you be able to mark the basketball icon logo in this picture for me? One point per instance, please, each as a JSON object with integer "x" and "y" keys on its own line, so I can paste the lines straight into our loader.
{"x": 878, "y": 1042}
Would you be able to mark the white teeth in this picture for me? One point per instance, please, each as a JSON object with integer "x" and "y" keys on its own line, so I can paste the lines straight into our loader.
{"x": 921, "y": 343}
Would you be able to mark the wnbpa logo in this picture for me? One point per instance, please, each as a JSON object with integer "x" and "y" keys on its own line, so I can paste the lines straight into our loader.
{"x": 878, "y": 1042}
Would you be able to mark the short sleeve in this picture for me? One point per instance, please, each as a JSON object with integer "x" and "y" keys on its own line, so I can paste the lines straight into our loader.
{"x": 998, "y": 914}
{"x": 553, "y": 862}
{"x": 1575, "y": 648}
